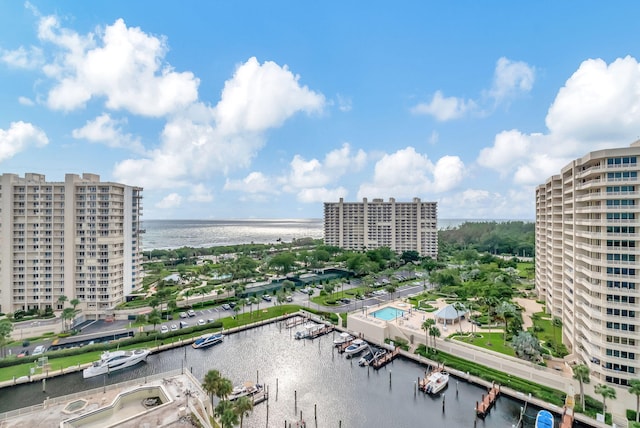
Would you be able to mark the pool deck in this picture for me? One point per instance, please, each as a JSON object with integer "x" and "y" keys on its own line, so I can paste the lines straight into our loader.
{"x": 175, "y": 385}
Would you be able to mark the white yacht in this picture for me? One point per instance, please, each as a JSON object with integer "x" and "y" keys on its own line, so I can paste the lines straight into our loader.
{"x": 357, "y": 346}
{"x": 111, "y": 361}
{"x": 208, "y": 340}
{"x": 436, "y": 382}
{"x": 343, "y": 337}
{"x": 307, "y": 330}
{"x": 247, "y": 389}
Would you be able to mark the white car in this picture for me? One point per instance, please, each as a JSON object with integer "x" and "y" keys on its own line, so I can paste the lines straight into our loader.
{"x": 191, "y": 313}
{"x": 164, "y": 329}
{"x": 174, "y": 327}
{"x": 201, "y": 322}
{"x": 39, "y": 350}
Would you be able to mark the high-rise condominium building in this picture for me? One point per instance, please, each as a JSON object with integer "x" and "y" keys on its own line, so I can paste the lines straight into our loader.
{"x": 401, "y": 226}
{"x": 79, "y": 238}
{"x": 587, "y": 271}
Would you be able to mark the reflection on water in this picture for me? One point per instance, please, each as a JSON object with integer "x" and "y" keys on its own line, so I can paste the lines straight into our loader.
{"x": 343, "y": 392}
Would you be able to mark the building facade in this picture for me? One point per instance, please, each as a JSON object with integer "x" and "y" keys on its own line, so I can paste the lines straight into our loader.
{"x": 79, "y": 238}
{"x": 587, "y": 270}
{"x": 401, "y": 226}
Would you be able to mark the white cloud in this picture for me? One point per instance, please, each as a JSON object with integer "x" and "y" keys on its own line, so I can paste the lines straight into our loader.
{"x": 445, "y": 108}
{"x": 200, "y": 193}
{"x": 263, "y": 96}
{"x": 511, "y": 78}
{"x": 321, "y": 194}
{"x": 203, "y": 141}
{"x": 255, "y": 182}
{"x": 122, "y": 64}
{"x": 19, "y": 137}
{"x": 31, "y": 58}
{"x": 597, "y": 108}
{"x": 344, "y": 103}
{"x": 172, "y": 200}
{"x": 104, "y": 129}
{"x": 26, "y": 101}
{"x": 434, "y": 137}
{"x": 407, "y": 173}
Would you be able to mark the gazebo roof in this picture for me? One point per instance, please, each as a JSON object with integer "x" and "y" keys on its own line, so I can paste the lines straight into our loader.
{"x": 449, "y": 313}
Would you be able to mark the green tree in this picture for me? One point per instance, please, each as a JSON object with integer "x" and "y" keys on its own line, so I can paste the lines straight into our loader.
{"x": 154, "y": 318}
{"x": 67, "y": 315}
{"x": 426, "y": 326}
{"x": 242, "y": 406}
{"x": 226, "y": 412}
{"x": 607, "y": 392}
{"x": 459, "y": 307}
{"x": 526, "y": 346}
{"x": 224, "y": 388}
{"x": 6, "y": 327}
{"x": 434, "y": 332}
{"x": 581, "y": 374}
{"x": 634, "y": 388}
{"x": 74, "y": 303}
{"x": 211, "y": 384}
{"x": 504, "y": 311}
{"x": 283, "y": 262}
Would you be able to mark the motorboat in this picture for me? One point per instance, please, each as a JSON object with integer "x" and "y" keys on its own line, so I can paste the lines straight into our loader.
{"x": 436, "y": 382}
{"x": 544, "y": 419}
{"x": 208, "y": 340}
{"x": 111, "y": 361}
{"x": 343, "y": 337}
{"x": 357, "y": 346}
{"x": 307, "y": 330}
{"x": 247, "y": 389}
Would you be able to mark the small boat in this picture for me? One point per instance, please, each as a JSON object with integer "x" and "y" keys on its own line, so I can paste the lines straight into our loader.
{"x": 111, "y": 361}
{"x": 307, "y": 330}
{"x": 342, "y": 338}
{"x": 436, "y": 382}
{"x": 247, "y": 389}
{"x": 544, "y": 419}
{"x": 357, "y": 346}
{"x": 208, "y": 340}
{"x": 370, "y": 356}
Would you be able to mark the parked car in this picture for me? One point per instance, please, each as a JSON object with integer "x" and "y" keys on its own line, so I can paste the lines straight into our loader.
{"x": 289, "y": 299}
{"x": 191, "y": 313}
{"x": 201, "y": 322}
{"x": 183, "y": 314}
{"x": 184, "y": 324}
{"x": 164, "y": 329}
{"x": 39, "y": 350}
{"x": 345, "y": 300}
{"x": 174, "y": 327}
{"x": 266, "y": 298}
{"x": 210, "y": 320}
{"x": 233, "y": 304}
{"x": 226, "y": 307}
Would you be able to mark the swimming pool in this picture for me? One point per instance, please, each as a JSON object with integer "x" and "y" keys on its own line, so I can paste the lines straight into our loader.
{"x": 388, "y": 314}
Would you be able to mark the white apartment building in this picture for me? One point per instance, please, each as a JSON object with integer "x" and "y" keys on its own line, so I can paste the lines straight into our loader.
{"x": 401, "y": 226}
{"x": 587, "y": 254}
{"x": 79, "y": 238}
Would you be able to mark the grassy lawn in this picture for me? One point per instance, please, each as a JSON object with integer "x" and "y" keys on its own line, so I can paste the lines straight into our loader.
{"x": 336, "y": 296}
{"x": 492, "y": 341}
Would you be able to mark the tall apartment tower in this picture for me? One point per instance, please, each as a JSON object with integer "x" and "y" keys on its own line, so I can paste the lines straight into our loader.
{"x": 79, "y": 238}
{"x": 587, "y": 254}
{"x": 401, "y": 226}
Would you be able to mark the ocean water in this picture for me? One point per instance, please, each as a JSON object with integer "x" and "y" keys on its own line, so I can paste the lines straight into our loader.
{"x": 167, "y": 234}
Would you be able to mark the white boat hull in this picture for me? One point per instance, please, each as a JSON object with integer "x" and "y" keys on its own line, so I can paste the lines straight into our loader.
{"x": 114, "y": 361}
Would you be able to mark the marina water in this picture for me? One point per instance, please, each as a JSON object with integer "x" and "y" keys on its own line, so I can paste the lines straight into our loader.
{"x": 312, "y": 372}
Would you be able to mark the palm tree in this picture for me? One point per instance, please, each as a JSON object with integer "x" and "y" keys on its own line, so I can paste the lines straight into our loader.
{"x": 74, "y": 303}
{"x": 224, "y": 388}
{"x": 634, "y": 388}
{"x": 426, "y": 325}
{"x": 61, "y": 300}
{"x": 504, "y": 311}
{"x": 607, "y": 392}
{"x": 241, "y": 406}
{"x": 210, "y": 384}
{"x": 154, "y": 318}
{"x": 226, "y": 412}
{"x": 435, "y": 332}
{"x": 581, "y": 374}
{"x": 459, "y": 307}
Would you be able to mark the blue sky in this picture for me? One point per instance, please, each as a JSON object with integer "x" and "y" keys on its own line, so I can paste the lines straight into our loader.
{"x": 268, "y": 109}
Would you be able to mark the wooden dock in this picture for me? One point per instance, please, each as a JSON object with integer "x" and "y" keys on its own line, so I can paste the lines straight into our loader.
{"x": 320, "y": 331}
{"x": 567, "y": 418}
{"x": 483, "y": 407}
{"x": 294, "y": 321}
{"x": 386, "y": 358}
